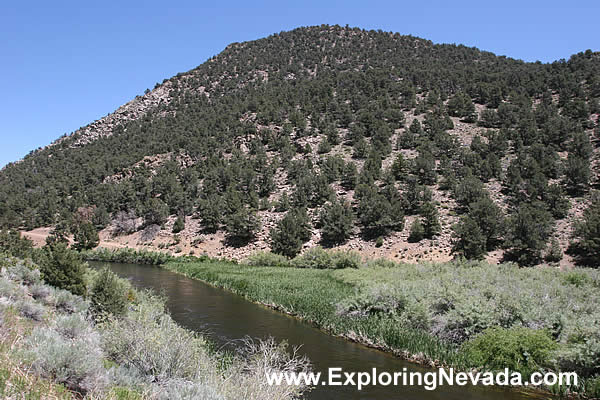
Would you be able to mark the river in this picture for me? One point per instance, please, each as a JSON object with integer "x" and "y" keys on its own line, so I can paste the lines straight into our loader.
{"x": 226, "y": 318}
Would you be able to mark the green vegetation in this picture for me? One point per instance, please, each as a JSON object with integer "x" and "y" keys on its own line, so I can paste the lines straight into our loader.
{"x": 373, "y": 114}
{"x": 127, "y": 256}
{"x": 49, "y": 347}
{"x": 463, "y": 314}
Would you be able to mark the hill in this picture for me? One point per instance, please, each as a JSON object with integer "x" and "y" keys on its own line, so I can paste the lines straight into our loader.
{"x": 374, "y": 141}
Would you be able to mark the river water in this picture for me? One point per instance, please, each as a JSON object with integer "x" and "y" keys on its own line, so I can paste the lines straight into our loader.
{"x": 226, "y": 318}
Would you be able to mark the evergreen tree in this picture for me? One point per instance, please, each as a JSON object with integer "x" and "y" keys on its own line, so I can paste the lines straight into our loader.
{"x": 349, "y": 176}
{"x": 290, "y": 233}
{"x": 108, "y": 296}
{"x": 490, "y": 220}
{"x": 179, "y": 224}
{"x": 528, "y": 230}
{"x": 586, "y": 245}
{"x": 430, "y": 220}
{"x": 156, "y": 212}
{"x": 469, "y": 240}
{"x": 242, "y": 225}
{"x": 336, "y": 221}
{"x": 554, "y": 253}
{"x": 63, "y": 268}
{"x": 86, "y": 236}
{"x": 417, "y": 232}
{"x": 210, "y": 214}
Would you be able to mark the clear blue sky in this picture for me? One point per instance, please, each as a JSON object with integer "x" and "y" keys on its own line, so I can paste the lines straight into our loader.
{"x": 67, "y": 63}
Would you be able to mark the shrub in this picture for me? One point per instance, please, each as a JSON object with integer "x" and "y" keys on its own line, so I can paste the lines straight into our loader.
{"x": 30, "y": 310}
{"x": 417, "y": 232}
{"x": 346, "y": 259}
{"x": 267, "y": 259}
{"x": 149, "y": 342}
{"x": 519, "y": 349}
{"x": 184, "y": 390}
{"x": 315, "y": 257}
{"x": 39, "y": 291}
{"x": 108, "y": 294}
{"x": 381, "y": 300}
{"x": 75, "y": 363}
{"x": 67, "y": 302}
{"x": 64, "y": 269}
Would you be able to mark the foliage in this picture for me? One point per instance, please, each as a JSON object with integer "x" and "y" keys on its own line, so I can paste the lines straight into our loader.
{"x": 126, "y": 255}
{"x": 586, "y": 246}
{"x": 337, "y": 221}
{"x": 290, "y": 233}
{"x": 519, "y": 349}
{"x": 86, "y": 236}
{"x": 64, "y": 269}
{"x": 108, "y": 294}
{"x": 528, "y": 229}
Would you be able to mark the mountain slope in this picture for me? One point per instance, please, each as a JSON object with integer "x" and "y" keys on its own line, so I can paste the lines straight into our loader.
{"x": 322, "y": 115}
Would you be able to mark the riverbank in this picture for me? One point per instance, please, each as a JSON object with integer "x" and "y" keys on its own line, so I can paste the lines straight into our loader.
{"x": 118, "y": 343}
{"x": 436, "y": 314}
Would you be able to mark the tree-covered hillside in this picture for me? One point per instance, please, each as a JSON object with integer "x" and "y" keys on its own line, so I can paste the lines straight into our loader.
{"x": 339, "y": 135}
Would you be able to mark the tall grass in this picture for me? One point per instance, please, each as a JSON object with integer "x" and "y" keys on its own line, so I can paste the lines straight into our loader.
{"x": 425, "y": 312}
{"x": 127, "y": 256}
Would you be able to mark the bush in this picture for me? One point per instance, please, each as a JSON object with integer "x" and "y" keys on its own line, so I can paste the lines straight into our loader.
{"x": 30, "y": 310}
{"x": 67, "y": 302}
{"x": 148, "y": 341}
{"x": 417, "y": 232}
{"x": 267, "y": 259}
{"x": 346, "y": 259}
{"x": 108, "y": 294}
{"x": 519, "y": 349}
{"x": 315, "y": 257}
{"x": 64, "y": 269}
{"x": 75, "y": 363}
{"x": 184, "y": 390}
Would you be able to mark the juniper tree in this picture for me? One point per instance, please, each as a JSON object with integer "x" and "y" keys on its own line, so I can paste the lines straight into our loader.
{"x": 86, "y": 236}
{"x": 336, "y": 220}
{"x": 63, "y": 268}
{"x": 290, "y": 233}
{"x": 528, "y": 230}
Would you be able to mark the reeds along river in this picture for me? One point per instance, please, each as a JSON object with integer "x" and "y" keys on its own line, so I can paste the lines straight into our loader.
{"x": 226, "y": 318}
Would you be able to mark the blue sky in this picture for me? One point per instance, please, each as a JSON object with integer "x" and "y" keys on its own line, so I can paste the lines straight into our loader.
{"x": 67, "y": 63}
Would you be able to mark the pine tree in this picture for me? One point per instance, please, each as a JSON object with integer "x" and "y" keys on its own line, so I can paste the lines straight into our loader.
{"x": 86, "y": 236}
{"x": 470, "y": 241}
{"x": 336, "y": 221}
{"x": 210, "y": 214}
{"x": 528, "y": 230}
{"x": 417, "y": 232}
{"x": 586, "y": 245}
{"x": 179, "y": 224}
{"x": 430, "y": 221}
{"x": 290, "y": 233}
{"x": 63, "y": 268}
{"x": 108, "y": 295}
{"x": 242, "y": 225}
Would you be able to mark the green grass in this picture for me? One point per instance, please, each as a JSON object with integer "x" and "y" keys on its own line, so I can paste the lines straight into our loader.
{"x": 428, "y": 312}
{"x": 312, "y": 295}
